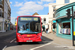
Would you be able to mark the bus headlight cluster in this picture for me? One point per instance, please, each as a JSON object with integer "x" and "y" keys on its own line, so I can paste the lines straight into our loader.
{"x": 19, "y": 36}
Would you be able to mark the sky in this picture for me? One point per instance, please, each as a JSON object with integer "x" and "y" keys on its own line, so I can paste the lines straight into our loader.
{"x": 29, "y": 7}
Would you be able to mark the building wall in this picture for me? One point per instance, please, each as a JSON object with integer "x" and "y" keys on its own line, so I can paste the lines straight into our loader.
{"x": 63, "y": 1}
{"x": 44, "y": 16}
{"x": 72, "y": 1}
{"x": 1, "y": 15}
{"x": 5, "y": 9}
{"x": 51, "y": 10}
{"x": 8, "y": 3}
{"x": 48, "y": 21}
{"x": 57, "y": 5}
{"x": 5, "y": 14}
{"x": 62, "y": 18}
{"x": 59, "y": 1}
{"x": 60, "y": 22}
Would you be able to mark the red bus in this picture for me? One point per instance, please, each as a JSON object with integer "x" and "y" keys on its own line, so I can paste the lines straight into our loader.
{"x": 29, "y": 29}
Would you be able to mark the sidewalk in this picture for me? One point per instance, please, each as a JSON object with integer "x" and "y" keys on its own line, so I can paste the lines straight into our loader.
{"x": 7, "y": 33}
{"x": 58, "y": 40}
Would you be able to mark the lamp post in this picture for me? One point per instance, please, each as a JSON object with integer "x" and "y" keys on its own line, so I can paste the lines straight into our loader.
{"x": 68, "y": 16}
{"x": 72, "y": 27}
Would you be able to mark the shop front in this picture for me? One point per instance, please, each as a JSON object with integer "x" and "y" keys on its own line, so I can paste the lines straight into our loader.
{"x": 64, "y": 24}
{"x": 64, "y": 28}
{"x": 7, "y": 25}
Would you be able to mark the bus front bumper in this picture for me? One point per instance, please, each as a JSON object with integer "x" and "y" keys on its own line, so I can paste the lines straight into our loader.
{"x": 29, "y": 40}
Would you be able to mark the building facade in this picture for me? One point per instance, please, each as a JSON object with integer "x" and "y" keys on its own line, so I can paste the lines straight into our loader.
{"x": 1, "y": 16}
{"x": 64, "y": 24}
{"x": 45, "y": 22}
{"x": 54, "y": 6}
{"x": 50, "y": 18}
{"x": 5, "y": 12}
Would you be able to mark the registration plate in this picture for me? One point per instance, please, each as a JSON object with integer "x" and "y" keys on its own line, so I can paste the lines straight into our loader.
{"x": 29, "y": 41}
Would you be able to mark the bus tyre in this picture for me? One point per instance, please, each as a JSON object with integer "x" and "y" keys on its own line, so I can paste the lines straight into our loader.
{"x": 19, "y": 43}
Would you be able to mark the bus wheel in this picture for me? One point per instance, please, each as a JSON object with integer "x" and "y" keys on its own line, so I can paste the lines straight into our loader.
{"x": 19, "y": 43}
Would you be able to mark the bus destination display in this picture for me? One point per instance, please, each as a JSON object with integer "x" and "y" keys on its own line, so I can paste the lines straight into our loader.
{"x": 28, "y": 19}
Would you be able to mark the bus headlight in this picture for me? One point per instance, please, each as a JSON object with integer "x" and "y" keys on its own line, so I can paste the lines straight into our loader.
{"x": 19, "y": 36}
{"x": 39, "y": 36}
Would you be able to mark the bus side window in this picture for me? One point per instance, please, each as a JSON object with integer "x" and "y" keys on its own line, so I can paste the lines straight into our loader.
{"x": 38, "y": 27}
{"x": 32, "y": 26}
{"x": 26, "y": 26}
{"x": 23, "y": 27}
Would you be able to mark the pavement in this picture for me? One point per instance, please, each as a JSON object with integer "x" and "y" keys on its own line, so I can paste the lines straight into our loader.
{"x": 59, "y": 41}
{"x": 7, "y": 33}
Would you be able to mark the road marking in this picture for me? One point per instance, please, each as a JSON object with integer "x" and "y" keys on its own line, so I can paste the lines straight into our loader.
{"x": 4, "y": 47}
{"x": 41, "y": 46}
{"x": 12, "y": 40}
{"x": 15, "y": 41}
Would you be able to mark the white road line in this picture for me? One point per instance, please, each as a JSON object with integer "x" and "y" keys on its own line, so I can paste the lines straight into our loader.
{"x": 4, "y": 47}
{"x": 41, "y": 46}
{"x": 15, "y": 41}
{"x": 12, "y": 40}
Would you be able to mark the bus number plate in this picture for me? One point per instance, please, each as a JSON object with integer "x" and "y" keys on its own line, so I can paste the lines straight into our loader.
{"x": 29, "y": 41}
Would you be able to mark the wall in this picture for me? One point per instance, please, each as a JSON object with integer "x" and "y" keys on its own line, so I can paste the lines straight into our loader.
{"x": 44, "y": 16}
{"x": 6, "y": 15}
{"x": 59, "y": 1}
{"x": 72, "y": 1}
{"x": 58, "y": 4}
{"x": 60, "y": 21}
{"x": 51, "y": 10}
{"x": 61, "y": 12}
{"x": 5, "y": 9}
{"x": 48, "y": 21}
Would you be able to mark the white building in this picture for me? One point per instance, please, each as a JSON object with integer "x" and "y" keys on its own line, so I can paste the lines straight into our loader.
{"x": 58, "y": 4}
{"x": 54, "y": 6}
{"x": 46, "y": 21}
{"x": 1, "y": 15}
{"x": 5, "y": 13}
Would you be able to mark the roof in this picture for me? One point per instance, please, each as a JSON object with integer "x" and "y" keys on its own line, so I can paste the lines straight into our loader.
{"x": 66, "y": 6}
{"x": 35, "y": 13}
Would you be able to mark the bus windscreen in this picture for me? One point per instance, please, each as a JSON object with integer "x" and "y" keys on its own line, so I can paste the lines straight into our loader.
{"x": 29, "y": 25}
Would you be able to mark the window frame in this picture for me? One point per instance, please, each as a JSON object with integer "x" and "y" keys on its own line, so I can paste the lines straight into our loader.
{"x": 67, "y": 1}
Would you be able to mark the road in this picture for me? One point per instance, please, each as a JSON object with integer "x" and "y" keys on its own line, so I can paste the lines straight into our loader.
{"x": 5, "y": 40}
{"x": 9, "y": 43}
